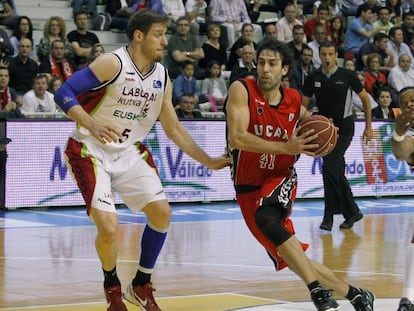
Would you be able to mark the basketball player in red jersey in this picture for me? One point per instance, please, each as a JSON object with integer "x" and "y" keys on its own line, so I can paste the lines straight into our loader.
{"x": 264, "y": 144}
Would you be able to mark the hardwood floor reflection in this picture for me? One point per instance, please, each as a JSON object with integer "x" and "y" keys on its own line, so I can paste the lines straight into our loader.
{"x": 55, "y": 265}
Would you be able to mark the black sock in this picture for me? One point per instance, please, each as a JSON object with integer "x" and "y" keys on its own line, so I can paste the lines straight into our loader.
{"x": 141, "y": 278}
{"x": 313, "y": 285}
{"x": 111, "y": 278}
{"x": 352, "y": 293}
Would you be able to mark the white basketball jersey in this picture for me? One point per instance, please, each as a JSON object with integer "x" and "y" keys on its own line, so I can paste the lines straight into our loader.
{"x": 130, "y": 101}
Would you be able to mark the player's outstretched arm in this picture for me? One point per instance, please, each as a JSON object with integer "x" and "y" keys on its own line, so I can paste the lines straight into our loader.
{"x": 178, "y": 134}
{"x": 238, "y": 118}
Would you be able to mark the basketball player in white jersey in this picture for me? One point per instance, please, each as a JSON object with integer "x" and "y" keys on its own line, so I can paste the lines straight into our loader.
{"x": 402, "y": 144}
{"x": 115, "y": 102}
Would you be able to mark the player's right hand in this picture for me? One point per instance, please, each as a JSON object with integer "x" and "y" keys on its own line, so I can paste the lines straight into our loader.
{"x": 105, "y": 133}
{"x": 301, "y": 143}
{"x": 219, "y": 162}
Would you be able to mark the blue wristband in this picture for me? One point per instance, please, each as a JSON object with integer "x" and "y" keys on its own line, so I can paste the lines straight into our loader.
{"x": 80, "y": 82}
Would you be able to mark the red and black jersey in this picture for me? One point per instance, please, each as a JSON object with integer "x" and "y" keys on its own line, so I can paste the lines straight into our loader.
{"x": 274, "y": 123}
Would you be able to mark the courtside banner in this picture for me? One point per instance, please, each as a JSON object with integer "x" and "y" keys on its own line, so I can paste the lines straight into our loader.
{"x": 371, "y": 168}
{"x": 36, "y": 174}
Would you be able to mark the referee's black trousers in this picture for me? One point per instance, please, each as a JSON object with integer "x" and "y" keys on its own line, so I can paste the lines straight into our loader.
{"x": 338, "y": 194}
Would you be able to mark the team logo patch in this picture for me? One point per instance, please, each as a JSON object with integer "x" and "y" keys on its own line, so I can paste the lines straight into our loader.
{"x": 317, "y": 84}
{"x": 67, "y": 99}
{"x": 259, "y": 110}
{"x": 291, "y": 116}
{"x": 156, "y": 84}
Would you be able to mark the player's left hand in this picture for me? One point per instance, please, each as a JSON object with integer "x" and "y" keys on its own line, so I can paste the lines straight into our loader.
{"x": 219, "y": 162}
{"x": 367, "y": 135}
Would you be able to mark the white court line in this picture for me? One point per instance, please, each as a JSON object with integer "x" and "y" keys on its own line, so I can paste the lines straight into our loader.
{"x": 387, "y": 304}
{"x": 202, "y": 264}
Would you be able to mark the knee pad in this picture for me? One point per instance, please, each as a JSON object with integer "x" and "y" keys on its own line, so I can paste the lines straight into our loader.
{"x": 269, "y": 221}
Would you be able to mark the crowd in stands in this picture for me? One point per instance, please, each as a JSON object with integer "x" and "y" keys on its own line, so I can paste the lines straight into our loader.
{"x": 211, "y": 43}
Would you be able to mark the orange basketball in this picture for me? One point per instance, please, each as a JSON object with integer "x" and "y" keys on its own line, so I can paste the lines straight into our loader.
{"x": 327, "y": 134}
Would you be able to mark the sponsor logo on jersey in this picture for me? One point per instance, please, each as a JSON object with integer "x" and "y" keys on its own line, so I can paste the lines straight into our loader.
{"x": 269, "y": 130}
{"x": 156, "y": 84}
{"x": 260, "y": 102}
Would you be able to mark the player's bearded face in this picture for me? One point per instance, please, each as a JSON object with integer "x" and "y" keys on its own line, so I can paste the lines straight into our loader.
{"x": 155, "y": 42}
{"x": 270, "y": 70}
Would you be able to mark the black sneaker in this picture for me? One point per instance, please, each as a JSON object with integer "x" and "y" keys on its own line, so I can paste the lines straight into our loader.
{"x": 323, "y": 300}
{"x": 364, "y": 301}
{"x": 405, "y": 305}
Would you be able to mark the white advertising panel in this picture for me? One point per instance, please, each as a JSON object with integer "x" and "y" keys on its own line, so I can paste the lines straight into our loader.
{"x": 37, "y": 176}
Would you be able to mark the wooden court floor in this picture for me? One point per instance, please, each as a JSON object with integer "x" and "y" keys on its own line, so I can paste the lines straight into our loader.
{"x": 207, "y": 265}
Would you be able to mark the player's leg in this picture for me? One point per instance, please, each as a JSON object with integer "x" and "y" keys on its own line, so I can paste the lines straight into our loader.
{"x": 101, "y": 209}
{"x": 361, "y": 299}
{"x": 103, "y": 214}
{"x": 139, "y": 292}
{"x": 269, "y": 220}
{"x": 407, "y": 300}
{"x": 272, "y": 228}
{"x": 106, "y": 244}
{"x": 409, "y": 271}
{"x": 141, "y": 190}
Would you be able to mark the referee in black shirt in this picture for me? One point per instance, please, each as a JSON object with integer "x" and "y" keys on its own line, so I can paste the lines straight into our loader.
{"x": 332, "y": 87}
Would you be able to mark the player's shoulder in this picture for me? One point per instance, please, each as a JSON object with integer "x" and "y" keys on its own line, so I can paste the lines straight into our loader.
{"x": 291, "y": 92}
{"x": 292, "y": 95}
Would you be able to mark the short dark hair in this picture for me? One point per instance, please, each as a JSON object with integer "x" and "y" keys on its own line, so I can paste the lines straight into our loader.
{"x": 328, "y": 44}
{"x": 323, "y": 7}
{"x": 52, "y": 45}
{"x": 186, "y": 63}
{"x": 246, "y": 25}
{"x": 306, "y": 48}
{"x": 363, "y": 8}
{"x": 380, "y": 36}
{"x": 296, "y": 27}
{"x": 385, "y": 89}
{"x": 143, "y": 21}
{"x": 81, "y": 12}
{"x": 393, "y": 30}
{"x": 380, "y": 8}
{"x": 278, "y": 47}
{"x": 408, "y": 13}
{"x": 40, "y": 76}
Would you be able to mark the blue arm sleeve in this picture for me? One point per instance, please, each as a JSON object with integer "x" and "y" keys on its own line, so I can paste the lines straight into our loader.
{"x": 81, "y": 82}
